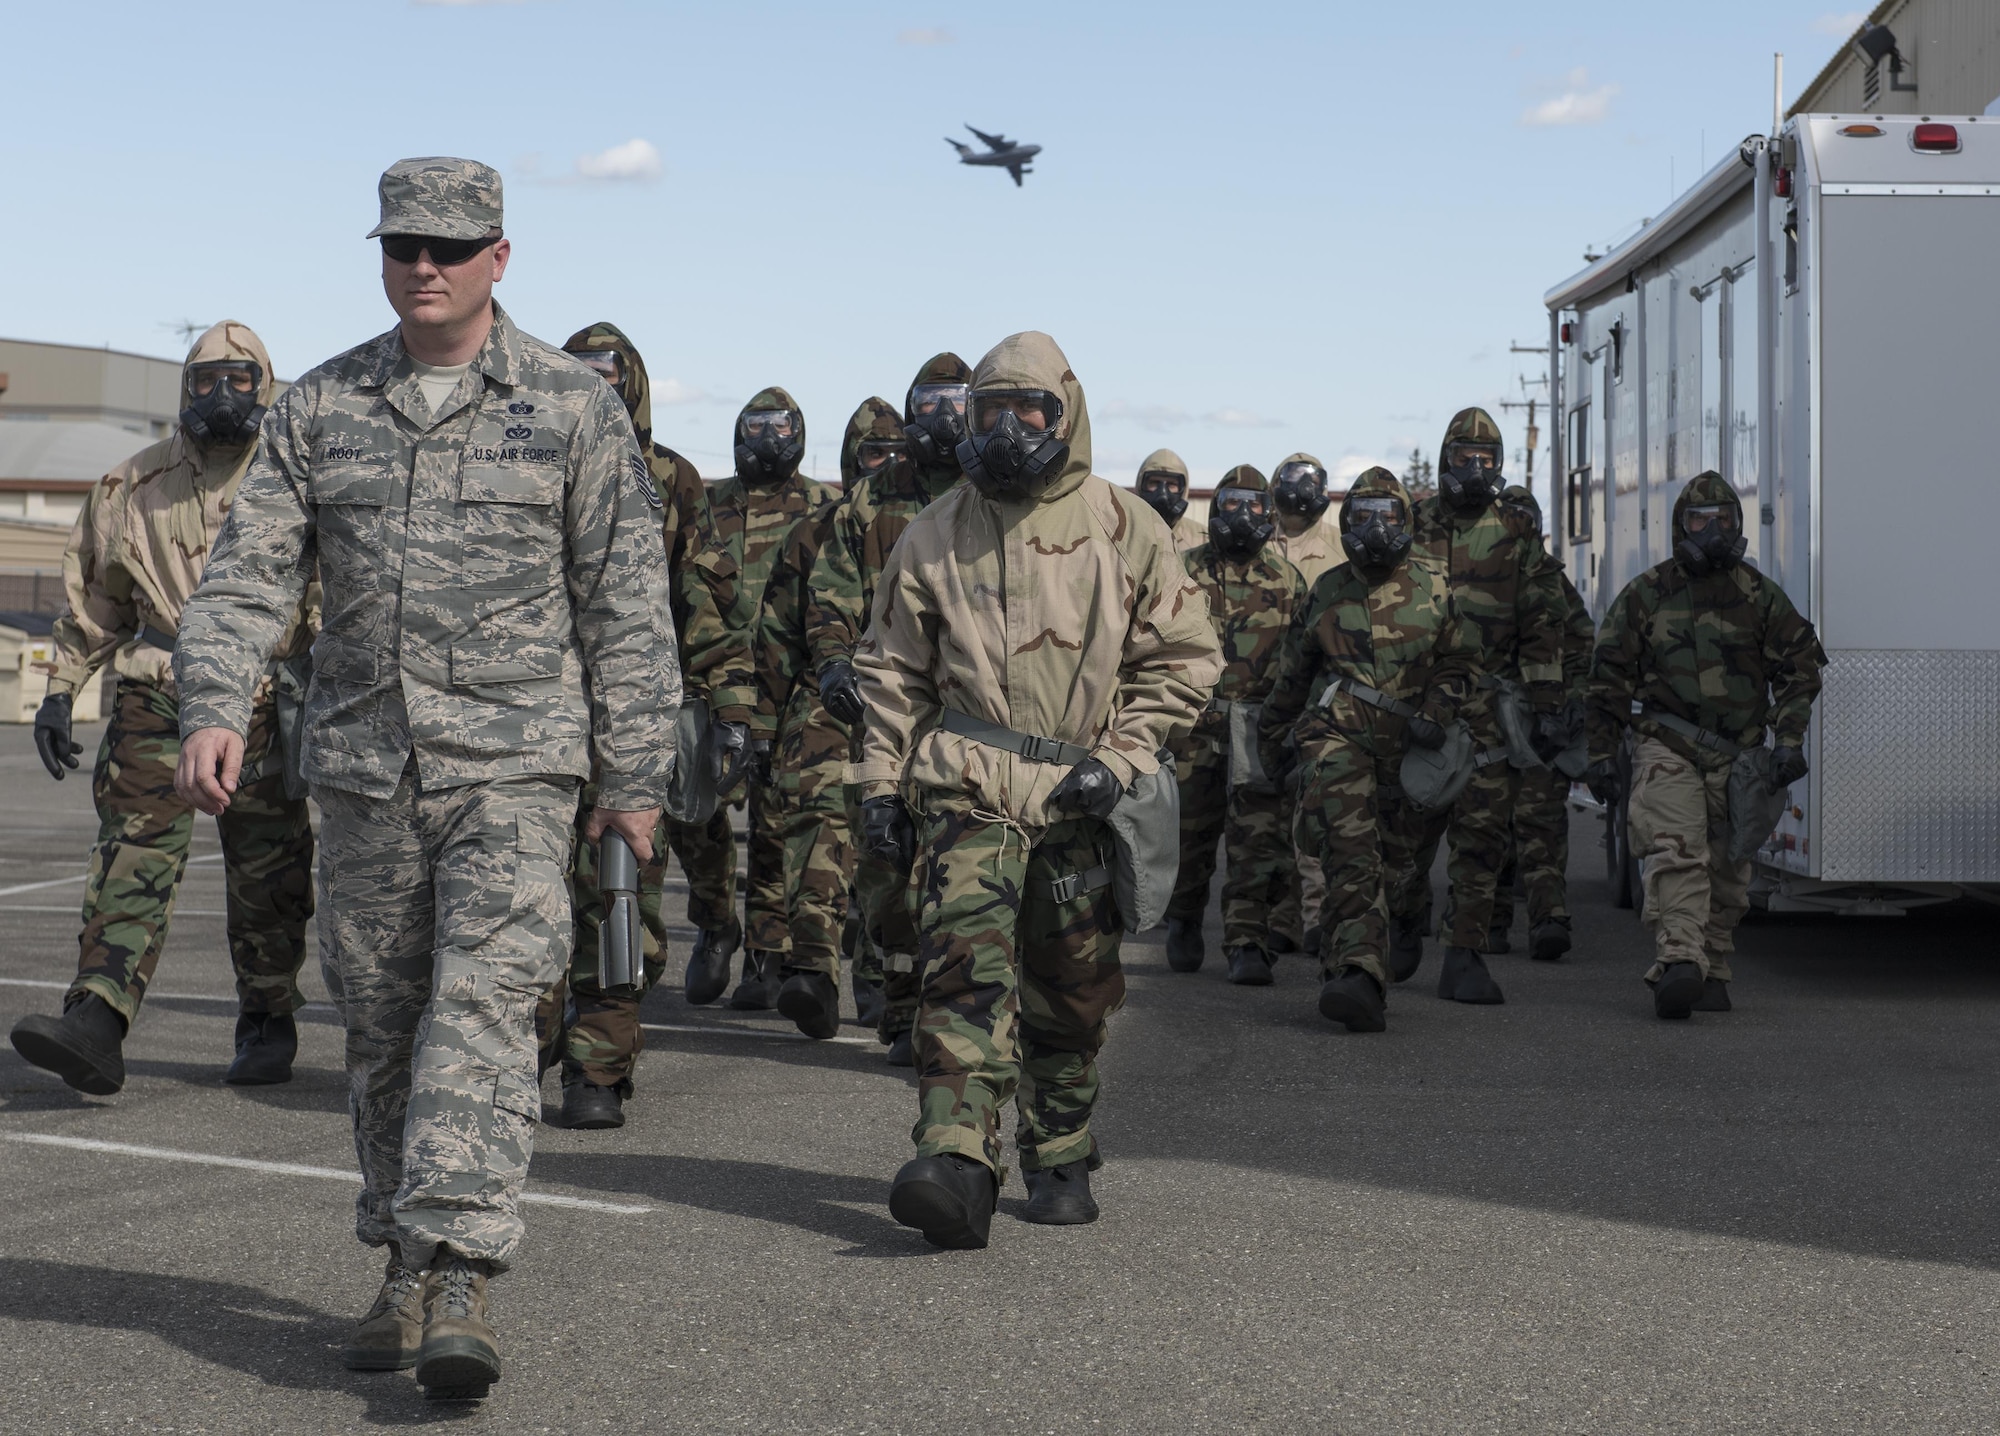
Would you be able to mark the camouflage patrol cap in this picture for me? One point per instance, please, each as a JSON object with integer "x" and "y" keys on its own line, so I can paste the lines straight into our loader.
{"x": 440, "y": 197}
{"x": 1245, "y": 476}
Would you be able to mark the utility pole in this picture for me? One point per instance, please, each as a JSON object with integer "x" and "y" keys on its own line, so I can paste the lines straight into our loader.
{"x": 1531, "y": 403}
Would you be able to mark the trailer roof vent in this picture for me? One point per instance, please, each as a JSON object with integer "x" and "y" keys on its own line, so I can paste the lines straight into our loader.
{"x": 1935, "y": 139}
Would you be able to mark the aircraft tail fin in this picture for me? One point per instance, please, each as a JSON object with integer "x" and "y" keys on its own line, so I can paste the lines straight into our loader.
{"x": 964, "y": 151}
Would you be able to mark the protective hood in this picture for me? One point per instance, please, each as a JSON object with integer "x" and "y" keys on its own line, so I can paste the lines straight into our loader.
{"x": 1245, "y": 476}
{"x": 1467, "y": 426}
{"x": 1032, "y": 360}
{"x": 1379, "y": 552}
{"x": 1166, "y": 461}
{"x": 945, "y": 368}
{"x": 1702, "y": 490}
{"x": 227, "y": 340}
{"x": 1286, "y": 494}
{"x": 875, "y": 419}
{"x": 781, "y": 464}
{"x": 634, "y": 389}
{"x": 1519, "y": 496}
{"x": 934, "y": 442}
{"x": 1163, "y": 501}
{"x": 1240, "y": 533}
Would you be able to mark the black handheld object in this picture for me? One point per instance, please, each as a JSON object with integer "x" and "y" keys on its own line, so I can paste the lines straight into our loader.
{"x": 621, "y": 950}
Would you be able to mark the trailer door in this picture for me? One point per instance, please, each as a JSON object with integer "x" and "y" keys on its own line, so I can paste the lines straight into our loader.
{"x": 1907, "y": 569}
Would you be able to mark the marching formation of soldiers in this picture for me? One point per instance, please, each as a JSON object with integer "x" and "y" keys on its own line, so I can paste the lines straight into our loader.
{"x": 987, "y": 712}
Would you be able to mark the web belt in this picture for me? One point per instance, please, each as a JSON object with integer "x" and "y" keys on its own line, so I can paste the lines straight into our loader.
{"x": 155, "y": 637}
{"x": 1694, "y": 733}
{"x": 1373, "y": 697}
{"x": 1035, "y": 749}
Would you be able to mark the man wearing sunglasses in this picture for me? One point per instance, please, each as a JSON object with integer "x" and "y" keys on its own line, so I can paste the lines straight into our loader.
{"x": 135, "y": 556}
{"x": 867, "y": 524}
{"x": 496, "y": 632}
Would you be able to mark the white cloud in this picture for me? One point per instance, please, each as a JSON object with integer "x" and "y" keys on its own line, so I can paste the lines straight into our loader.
{"x": 1240, "y": 419}
{"x": 1348, "y": 467}
{"x": 673, "y": 391}
{"x": 1155, "y": 417}
{"x": 1579, "y": 103}
{"x": 928, "y": 36}
{"x": 633, "y": 160}
{"x": 1839, "y": 23}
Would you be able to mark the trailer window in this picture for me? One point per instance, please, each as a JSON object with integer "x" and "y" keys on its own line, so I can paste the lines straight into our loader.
{"x": 1577, "y": 492}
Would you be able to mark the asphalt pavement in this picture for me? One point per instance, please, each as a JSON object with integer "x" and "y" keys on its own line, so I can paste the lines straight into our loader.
{"x": 1560, "y": 1215}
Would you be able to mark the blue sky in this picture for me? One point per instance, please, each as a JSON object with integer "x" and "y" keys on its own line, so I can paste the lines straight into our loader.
{"x": 1255, "y": 227}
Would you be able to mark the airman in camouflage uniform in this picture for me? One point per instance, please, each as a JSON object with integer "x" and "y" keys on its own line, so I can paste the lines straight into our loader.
{"x": 1253, "y": 596}
{"x": 1162, "y": 482}
{"x": 1541, "y": 812}
{"x": 134, "y": 557}
{"x": 1714, "y": 654}
{"x": 593, "y": 1033}
{"x": 1377, "y": 661}
{"x": 752, "y": 513}
{"x": 1508, "y": 593}
{"x": 1035, "y": 602}
{"x": 845, "y": 574}
{"x": 497, "y": 631}
{"x": 1304, "y": 539}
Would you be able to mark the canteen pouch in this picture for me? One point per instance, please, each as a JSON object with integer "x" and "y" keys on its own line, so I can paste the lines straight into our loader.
{"x": 1146, "y": 834}
{"x": 1754, "y": 810}
{"x": 691, "y": 795}
{"x": 1246, "y": 769}
{"x": 1432, "y": 778}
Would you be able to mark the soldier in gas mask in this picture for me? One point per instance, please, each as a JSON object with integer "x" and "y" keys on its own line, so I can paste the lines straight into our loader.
{"x": 1163, "y": 484}
{"x": 1253, "y": 596}
{"x": 134, "y": 558}
{"x": 1714, "y": 655}
{"x": 1377, "y": 662}
{"x": 1304, "y": 539}
{"x": 751, "y": 513}
{"x": 891, "y": 490}
{"x": 1509, "y": 598}
{"x": 1034, "y": 644}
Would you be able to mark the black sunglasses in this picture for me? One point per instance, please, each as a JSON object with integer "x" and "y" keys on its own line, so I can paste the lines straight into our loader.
{"x": 409, "y": 248}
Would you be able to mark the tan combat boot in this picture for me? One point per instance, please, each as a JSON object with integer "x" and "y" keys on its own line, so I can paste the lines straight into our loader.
{"x": 460, "y": 1356}
{"x": 387, "y": 1338}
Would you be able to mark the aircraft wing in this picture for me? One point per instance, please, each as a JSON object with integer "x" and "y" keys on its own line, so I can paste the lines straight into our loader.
{"x": 995, "y": 143}
{"x": 1015, "y": 170}
{"x": 965, "y": 151}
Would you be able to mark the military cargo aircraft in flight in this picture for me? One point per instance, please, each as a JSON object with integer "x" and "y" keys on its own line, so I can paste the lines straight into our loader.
{"x": 1001, "y": 151}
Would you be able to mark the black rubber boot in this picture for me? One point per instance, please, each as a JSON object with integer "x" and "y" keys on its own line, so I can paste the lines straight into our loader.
{"x": 1549, "y": 941}
{"x": 869, "y": 1002}
{"x": 1248, "y": 967}
{"x": 1677, "y": 991}
{"x": 266, "y": 1043}
{"x": 1714, "y": 996}
{"x": 1060, "y": 1196}
{"x": 758, "y": 990}
{"x": 1184, "y": 948}
{"x": 902, "y": 1051}
{"x": 1497, "y": 941}
{"x": 1406, "y": 948}
{"x": 812, "y": 1002}
{"x": 85, "y": 1046}
{"x": 1315, "y": 938}
{"x": 1464, "y": 978}
{"x": 948, "y": 1198}
{"x": 1279, "y": 943}
{"x": 587, "y": 1107}
{"x": 1355, "y": 1000}
{"x": 707, "y": 974}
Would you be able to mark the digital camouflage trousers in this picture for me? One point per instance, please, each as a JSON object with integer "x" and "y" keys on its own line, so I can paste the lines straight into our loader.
{"x": 1352, "y": 814}
{"x": 1259, "y": 882}
{"x": 445, "y": 918}
{"x": 1679, "y": 828}
{"x": 143, "y": 834}
{"x": 1017, "y": 986}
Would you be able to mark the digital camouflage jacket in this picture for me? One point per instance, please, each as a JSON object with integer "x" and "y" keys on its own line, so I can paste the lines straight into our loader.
{"x": 748, "y": 523}
{"x": 1251, "y": 603}
{"x": 1725, "y": 651}
{"x": 1066, "y": 616}
{"x": 495, "y": 588}
{"x": 1399, "y": 634}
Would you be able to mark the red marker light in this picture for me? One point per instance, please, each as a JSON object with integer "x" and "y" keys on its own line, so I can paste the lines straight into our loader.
{"x": 1935, "y": 139}
{"x": 1783, "y": 184}
{"x": 1566, "y": 329}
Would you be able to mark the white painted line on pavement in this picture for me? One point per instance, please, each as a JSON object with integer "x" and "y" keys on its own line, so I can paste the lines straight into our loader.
{"x": 284, "y": 1169}
{"x": 79, "y": 877}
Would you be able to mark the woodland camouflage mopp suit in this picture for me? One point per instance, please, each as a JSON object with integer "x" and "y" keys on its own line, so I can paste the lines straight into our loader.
{"x": 1039, "y": 601}
{"x": 134, "y": 557}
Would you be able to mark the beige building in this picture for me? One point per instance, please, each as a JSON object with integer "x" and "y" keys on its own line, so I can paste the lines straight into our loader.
{"x": 1914, "y": 57}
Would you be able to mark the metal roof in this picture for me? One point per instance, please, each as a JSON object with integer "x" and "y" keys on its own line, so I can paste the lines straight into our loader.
{"x": 1729, "y": 175}
{"x": 52, "y": 450}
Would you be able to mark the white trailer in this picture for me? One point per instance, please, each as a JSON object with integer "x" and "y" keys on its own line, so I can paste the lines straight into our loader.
{"x": 1818, "y": 320}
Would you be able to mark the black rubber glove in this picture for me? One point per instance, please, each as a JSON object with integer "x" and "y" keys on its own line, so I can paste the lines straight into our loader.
{"x": 52, "y": 738}
{"x": 887, "y": 834}
{"x": 1089, "y": 788}
{"x": 1601, "y": 778}
{"x": 1550, "y": 736}
{"x": 1426, "y": 732}
{"x": 1788, "y": 765}
{"x": 840, "y": 691}
{"x": 728, "y": 753}
{"x": 760, "y": 761}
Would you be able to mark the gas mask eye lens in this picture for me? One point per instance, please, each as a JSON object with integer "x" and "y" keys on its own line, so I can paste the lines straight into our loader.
{"x": 934, "y": 398}
{"x": 605, "y": 362}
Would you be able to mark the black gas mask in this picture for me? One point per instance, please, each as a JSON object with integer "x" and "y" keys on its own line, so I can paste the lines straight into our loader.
{"x": 879, "y": 456}
{"x": 1239, "y": 521}
{"x": 935, "y": 424}
{"x": 1710, "y": 538}
{"x": 769, "y": 445}
{"x": 1300, "y": 488}
{"x": 1374, "y": 530}
{"x": 1471, "y": 477}
{"x": 1166, "y": 491}
{"x": 1012, "y": 451}
{"x": 223, "y": 409}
